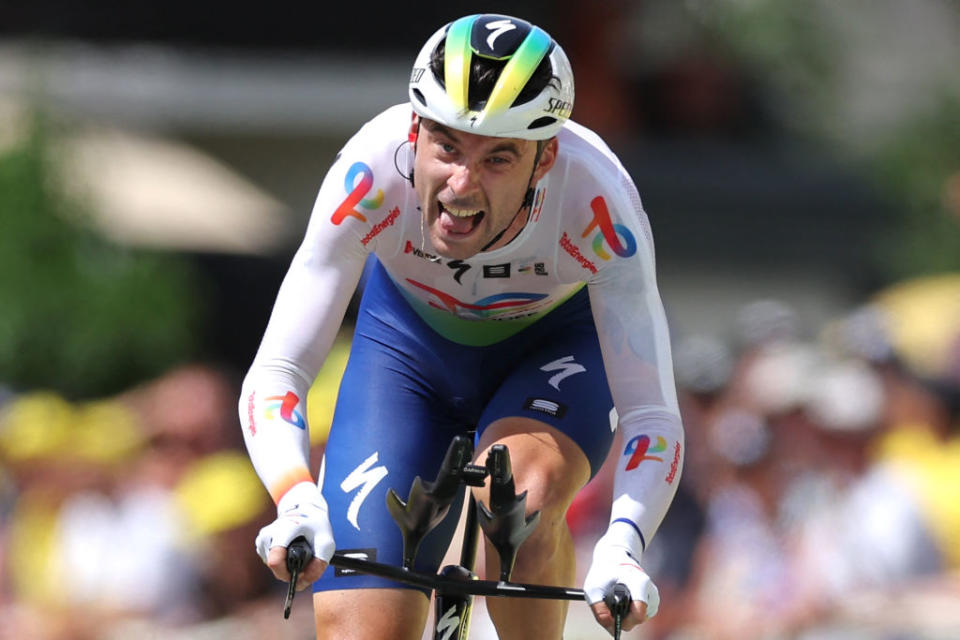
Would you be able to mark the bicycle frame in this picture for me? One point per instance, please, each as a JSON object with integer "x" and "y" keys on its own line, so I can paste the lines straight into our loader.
{"x": 505, "y": 524}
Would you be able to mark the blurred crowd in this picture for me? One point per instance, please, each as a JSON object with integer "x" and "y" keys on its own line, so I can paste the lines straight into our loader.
{"x": 820, "y": 496}
{"x": 821, "y": 488}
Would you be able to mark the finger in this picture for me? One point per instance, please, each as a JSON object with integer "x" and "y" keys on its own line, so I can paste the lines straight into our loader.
{"x": 601, "y": 612}
{"x": 277, "y": 561}
{"x": 637, "y": 615}
{"x": 314, "y": 570}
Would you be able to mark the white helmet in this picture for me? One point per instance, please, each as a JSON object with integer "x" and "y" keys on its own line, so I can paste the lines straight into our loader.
{"x": 518, "y": 48}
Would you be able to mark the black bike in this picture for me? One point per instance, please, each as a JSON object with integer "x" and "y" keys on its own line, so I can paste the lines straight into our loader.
{"x": 504, "y": 523}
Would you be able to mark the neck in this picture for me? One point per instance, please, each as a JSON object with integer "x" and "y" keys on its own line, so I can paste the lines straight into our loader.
{"x": 512, "y": 230}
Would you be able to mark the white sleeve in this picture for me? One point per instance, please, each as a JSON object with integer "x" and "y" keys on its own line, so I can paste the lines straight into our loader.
{"x": 306, "y": 317}
{"x": 635, "y": 343}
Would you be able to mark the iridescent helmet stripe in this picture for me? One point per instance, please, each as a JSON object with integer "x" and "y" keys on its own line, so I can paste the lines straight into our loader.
{"x": 458, "y": 54}
{"x": 511, "y": 108}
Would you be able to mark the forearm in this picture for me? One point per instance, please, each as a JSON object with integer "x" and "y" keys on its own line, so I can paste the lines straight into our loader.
{"x": 273, "y": 417}
{"x": 648, "y": 470}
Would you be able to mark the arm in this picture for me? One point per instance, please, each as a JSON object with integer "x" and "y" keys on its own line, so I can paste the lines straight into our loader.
{"x": 303, "y": 324}
{"x": 635, "y": 342}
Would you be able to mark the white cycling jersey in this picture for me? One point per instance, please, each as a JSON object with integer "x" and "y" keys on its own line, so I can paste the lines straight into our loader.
{"x": 586, "y": 228}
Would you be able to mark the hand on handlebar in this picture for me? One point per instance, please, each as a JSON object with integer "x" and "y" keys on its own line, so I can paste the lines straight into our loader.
{"x": 616, "y": 565}
{"x": 301, "y": 512}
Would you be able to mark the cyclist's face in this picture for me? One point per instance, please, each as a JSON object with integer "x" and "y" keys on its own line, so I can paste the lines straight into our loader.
{"x": 470, "y": 186}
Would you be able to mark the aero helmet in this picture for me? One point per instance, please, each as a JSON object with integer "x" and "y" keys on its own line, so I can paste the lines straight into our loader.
{"x": 514, "y": 46}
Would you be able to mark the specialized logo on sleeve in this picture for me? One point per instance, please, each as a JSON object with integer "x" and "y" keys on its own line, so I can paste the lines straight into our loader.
{"x": 565, "y": 367}
{"x": 639, "y": 449}
{"x": 358, "y": 183}
{"x": 608, "y": 233}
{"x": 286, "y": 406}
{"x": 365, "y": 477}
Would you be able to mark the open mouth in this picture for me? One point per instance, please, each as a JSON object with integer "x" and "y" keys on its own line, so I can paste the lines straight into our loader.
{"x": 459, "y": 221}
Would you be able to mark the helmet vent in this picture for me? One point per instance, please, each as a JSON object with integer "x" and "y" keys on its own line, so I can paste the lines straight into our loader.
{"x": 419, "y": 96}
{"x": 544, "y": 121}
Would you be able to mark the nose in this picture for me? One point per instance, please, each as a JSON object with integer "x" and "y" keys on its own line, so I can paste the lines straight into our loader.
{"x": 462, "y": 180}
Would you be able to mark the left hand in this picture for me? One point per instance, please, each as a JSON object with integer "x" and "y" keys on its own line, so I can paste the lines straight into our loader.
{"x": 613, "y": 562}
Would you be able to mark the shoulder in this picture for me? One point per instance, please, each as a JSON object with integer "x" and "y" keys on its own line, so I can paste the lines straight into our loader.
{"x": 383, "y": 132}
{"x": 589, "y": 153}
{"x": 601, "y": 211}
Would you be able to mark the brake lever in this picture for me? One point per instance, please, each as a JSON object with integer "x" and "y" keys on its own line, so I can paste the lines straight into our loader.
{"x": 618, "y": 601}
{"x": 299, "y": 554}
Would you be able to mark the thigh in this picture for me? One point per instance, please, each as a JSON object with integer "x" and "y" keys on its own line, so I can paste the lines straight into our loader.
{"x": 563, "y": 384}
{"x": 388, "y": 428}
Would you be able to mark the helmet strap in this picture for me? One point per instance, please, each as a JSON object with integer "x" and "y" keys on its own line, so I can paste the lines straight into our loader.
{"x": 527, "y": 197}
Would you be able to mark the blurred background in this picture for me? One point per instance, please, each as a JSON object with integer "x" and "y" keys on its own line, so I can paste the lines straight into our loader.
{"x": 800, "y": 164}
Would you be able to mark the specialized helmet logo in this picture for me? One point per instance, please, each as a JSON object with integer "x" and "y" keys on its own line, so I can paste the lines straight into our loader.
{"x": 499, "y": 27}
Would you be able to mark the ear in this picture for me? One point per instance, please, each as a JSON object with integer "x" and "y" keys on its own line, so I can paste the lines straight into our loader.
{"x": 414, "y": 128}
{"x": 547, "y": 159}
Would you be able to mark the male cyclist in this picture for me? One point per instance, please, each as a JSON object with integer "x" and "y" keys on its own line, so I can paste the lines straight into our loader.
{"x": 512, "y": 290}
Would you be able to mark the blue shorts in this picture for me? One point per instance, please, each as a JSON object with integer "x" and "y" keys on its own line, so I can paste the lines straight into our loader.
{"x": 407, "y": 391}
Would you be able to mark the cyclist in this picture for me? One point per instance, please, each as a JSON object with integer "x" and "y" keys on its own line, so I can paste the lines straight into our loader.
{"x": 511, "y": 288}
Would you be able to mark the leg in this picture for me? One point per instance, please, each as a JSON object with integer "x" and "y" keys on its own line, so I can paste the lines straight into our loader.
{"x": 360, "y": 614}
{"x": 551, "y": 467}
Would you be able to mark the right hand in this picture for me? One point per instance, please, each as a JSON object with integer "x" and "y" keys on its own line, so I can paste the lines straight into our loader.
{"x": 301, "y": 512}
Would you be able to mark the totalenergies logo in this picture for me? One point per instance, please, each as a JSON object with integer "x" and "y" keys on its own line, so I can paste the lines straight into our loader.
{"x": 287, "y": 406}
{"x": 357, "y": 183}
{"x": 608, "y": 233}
{"x": 639, "y": 449}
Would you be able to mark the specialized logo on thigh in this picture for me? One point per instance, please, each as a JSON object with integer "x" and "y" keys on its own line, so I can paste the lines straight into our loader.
{"x": 565, "y": 367}
{"x": 286, "y": 406}
{"x": 609, "y": 233}
{"x": 365, "y": 477}
{"x": 356, "y": 190}
{"x": 639, "y": 449}
{"x": 369, "y": 554}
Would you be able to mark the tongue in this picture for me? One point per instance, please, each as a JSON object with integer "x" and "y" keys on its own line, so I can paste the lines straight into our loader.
{"x": 454, "y": 224}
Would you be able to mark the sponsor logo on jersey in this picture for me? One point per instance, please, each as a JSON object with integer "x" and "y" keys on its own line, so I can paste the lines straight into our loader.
{"x": 380, "y": 226}
{"x": 565, "y": 367}
{"x": 538, "y": 204}
{"x": 358, "y": 182}
{"x": 549, "y": 407}
{"x": 286, "y": 406}
{"x": 675, "y": 464}
{"x": 496, "y": 270}
{"x": 538, "y": 268}
{"x": 639, "y": 449}
{"x": 365, "y": 477}
{"x": 574, "y": 252}
{"x": 608, "y": 233}
{"x": 488, "y": 307}
{"x": 420, "y": 253}
{"x": 358, "y": 554}
{"x": 460, "y": 267}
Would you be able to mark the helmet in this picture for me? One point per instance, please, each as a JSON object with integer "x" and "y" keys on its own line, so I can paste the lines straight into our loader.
{"x": 514, "y": 49}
